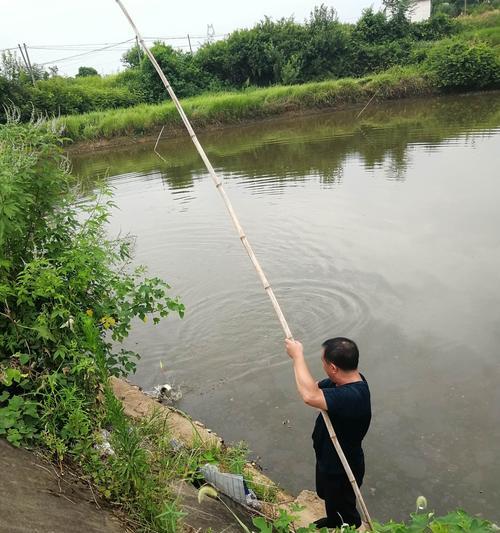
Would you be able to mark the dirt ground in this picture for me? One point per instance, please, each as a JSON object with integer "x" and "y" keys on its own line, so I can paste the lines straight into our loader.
{"x": 35, "y": 498}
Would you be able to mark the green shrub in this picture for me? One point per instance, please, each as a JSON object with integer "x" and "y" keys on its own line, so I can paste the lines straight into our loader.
{"x": 182, "y": 71}
{"x": 62, "y": 96}
{"x": 458, "y": 65}
{"x": 84, "y": 72}
{"x": 437, "y": 27}
{"x": 66, "y": 292}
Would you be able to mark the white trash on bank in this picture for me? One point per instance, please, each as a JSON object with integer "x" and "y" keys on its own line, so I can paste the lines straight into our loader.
{"x": 104, "y": 447}
{"x": 232, "y": 485}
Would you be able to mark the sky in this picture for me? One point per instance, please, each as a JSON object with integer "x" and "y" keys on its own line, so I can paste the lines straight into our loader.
{"x": 54, "y": 30}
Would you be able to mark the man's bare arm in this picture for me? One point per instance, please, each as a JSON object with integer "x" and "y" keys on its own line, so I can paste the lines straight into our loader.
{"x": 306, "y": 384}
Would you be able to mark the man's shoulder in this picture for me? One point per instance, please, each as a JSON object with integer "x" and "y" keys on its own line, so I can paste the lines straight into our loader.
{"x": 326, "y": 384}
{"x": 346, "y": 397}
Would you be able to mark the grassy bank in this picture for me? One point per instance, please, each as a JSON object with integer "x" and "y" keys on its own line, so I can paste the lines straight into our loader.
{"x": 232, "y": 107}
{"x": 466, "y": 62}
{"x": 403, "y": 122}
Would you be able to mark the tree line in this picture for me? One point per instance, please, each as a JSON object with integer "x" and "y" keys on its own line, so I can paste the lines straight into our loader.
{"x": 272, "y": 52}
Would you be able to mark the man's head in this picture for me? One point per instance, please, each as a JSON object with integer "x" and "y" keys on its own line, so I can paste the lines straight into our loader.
{"x": 340, "y": 356}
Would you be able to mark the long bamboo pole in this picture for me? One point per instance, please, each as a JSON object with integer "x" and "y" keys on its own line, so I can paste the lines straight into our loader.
{"x": 248, "y": 248}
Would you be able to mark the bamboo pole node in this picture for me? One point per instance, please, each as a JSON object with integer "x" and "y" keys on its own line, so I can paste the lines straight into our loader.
{"x": 251, "y": 253}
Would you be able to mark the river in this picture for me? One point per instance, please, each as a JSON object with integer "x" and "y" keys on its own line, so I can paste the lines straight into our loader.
{"x": 383, "y": 228}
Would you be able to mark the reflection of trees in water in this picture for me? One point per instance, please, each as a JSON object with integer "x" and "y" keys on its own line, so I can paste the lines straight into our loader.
{"x": 396, "y": 170}
{"x": 274, "y": 153}
{"x": 335, "y": 178}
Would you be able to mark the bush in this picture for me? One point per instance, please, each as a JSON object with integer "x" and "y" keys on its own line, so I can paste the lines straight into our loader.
{"x": 182, "y": 71}
{"x": 62, "y": 96}
{"x": 14, "y": 94}
{"x": 84, "y": 72}
{"x": 374, "y": 58}
{"x": 66, "y": 291}
{"x": 437, "y": 27}
{"x": 459, "y": 65}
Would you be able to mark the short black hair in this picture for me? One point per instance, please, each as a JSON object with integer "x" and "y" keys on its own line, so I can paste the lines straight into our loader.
{"x": 342, "y": 352}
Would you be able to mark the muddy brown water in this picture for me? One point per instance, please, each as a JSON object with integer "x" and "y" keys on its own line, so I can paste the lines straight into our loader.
{"x": 383, "y": 228}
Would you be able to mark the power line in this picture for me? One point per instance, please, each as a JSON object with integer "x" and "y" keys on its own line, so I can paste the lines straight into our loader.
{"x": 84, "y": 53}
{"x": 83, "y": 48}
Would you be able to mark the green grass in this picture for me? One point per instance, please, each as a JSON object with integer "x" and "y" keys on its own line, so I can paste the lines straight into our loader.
{"x": 213, "y": 109}
{"x": 484, "y": 27}
{"x": 232, "y": 107}
{"x": 142, "y": 474}
{"x": 489, "y": 19}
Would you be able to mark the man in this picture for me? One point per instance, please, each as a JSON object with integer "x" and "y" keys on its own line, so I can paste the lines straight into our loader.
{"x": 346, "y": 397}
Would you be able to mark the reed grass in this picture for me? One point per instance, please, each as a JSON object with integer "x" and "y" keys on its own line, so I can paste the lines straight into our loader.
{"x": 254, "y": 103}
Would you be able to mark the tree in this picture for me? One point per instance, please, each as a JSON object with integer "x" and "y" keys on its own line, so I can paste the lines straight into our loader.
{"x": 399, "y": 8}
{"x": 133, "y": 57}
{"x": 83, "y": 72}
{"x": 10, "y": 67}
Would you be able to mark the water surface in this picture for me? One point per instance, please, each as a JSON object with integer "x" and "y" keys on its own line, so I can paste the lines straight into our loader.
{"x": 383, "y": 228}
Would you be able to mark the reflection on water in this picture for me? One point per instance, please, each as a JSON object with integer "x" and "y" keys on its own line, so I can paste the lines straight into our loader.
{"x": 384, "y": 229}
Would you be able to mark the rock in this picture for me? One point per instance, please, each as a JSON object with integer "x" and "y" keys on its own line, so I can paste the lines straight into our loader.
{"x": 314, "y": 508}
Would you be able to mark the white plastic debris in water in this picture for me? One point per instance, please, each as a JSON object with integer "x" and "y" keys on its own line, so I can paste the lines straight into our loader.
{"x": 168, "y": 394}
{"x": 232, "y": 485}
{"x": 104, "y": 447}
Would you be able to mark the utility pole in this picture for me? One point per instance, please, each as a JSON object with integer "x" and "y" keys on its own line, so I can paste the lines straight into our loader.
{"x": 138, "y": 50}
{"x": 465, "y": 7}
{"x": 29, "y": 63}
{"x": 25, "y": 61}
{"x": 210, "y": 33}
{"x": 190, "y": 47}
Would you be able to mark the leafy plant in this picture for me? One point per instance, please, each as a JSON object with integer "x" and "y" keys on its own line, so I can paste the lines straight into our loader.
{"x": 457, "y": 65}
{"x": 67, "y": 295}
{"x": 284, "y": 522}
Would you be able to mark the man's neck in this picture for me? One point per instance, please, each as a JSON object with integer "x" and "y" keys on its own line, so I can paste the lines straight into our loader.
{"x": 347, "y": 377}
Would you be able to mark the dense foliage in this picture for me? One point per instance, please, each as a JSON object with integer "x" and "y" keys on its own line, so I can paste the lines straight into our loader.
{"x": 67, "y": 296}
{"x": 420, "y": 522}
{"x": 454, "y": 8}
{"x": 272, "y": 52}
{"x": 457, "y": 66}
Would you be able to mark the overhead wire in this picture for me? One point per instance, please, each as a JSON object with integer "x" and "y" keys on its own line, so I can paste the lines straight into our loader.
{"x": 84, "y": 53}
{"x": 85, "y": 49}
